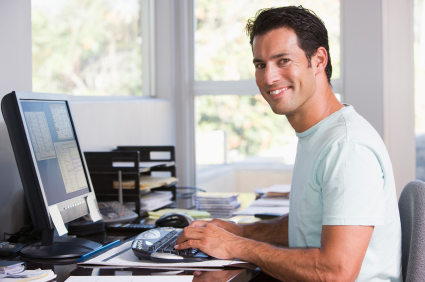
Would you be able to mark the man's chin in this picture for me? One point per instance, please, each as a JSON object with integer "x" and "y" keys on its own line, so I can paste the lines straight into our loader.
{"x": 278, "y": 111}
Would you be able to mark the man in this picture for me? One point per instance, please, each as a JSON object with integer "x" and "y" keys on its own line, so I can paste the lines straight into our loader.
{"x": 343, "y": 223}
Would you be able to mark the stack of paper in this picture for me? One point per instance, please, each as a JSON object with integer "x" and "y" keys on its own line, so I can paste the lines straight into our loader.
{"x": 274, "y": 201}
{"x": 30, "y": 275}
{"x": 153, "y": 201}
{"x": 11, "y": 267}
{"x": 218, "y": 205}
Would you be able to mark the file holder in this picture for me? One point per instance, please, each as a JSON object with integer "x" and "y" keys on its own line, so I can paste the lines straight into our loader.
{"x": 107, "y": 167}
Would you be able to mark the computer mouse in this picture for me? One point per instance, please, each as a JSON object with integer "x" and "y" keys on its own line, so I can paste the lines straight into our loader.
{"x": 178, "y": 220}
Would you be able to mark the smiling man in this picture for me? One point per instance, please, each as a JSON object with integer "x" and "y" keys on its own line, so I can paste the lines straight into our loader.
{"x": 343, "y": 223}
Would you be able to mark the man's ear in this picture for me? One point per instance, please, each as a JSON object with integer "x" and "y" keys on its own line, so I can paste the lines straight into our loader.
{"x": 319, "y": 60}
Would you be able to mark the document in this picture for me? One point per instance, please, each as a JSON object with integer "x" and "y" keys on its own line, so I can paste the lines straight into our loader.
{"x": 271, "y": 202}
{"x": 40, "y": 136}
{"x": 275, "y": 190}
{"x": 142, "y": 164}
{"x": 263, "y": 210}
{"x": 123, "y": 256}
{"x": 156, "y": 278}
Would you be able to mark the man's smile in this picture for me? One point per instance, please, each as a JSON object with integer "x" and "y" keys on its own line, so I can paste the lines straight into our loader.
{"x": 276, "y": 93}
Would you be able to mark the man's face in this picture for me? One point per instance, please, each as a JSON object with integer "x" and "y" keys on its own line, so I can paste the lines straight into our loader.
{"x": 281, "y": 71}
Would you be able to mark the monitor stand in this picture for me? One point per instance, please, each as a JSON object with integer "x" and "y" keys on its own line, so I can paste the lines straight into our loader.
{"x": 58, "y": 247}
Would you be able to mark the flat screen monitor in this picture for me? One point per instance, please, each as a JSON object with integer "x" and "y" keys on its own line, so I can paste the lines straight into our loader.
{"x": 52, "y": 168}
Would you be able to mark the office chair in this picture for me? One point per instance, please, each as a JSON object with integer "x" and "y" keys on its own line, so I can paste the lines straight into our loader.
{"x": 412, "y": 215}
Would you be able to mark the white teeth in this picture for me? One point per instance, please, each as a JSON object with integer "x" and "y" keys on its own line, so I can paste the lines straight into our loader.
{"x": 277, "y": 91}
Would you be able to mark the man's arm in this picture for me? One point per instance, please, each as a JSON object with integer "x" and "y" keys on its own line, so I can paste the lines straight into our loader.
{"x": 269, "y": 231}
{"x": 339, "y": 258}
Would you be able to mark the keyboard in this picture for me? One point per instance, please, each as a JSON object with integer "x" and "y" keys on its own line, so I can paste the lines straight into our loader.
{"x": 158, "y": 245}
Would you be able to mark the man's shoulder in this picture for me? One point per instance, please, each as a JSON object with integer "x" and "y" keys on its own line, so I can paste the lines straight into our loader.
{"x": 347, "y": 126}
{"x": 358, "y": 130}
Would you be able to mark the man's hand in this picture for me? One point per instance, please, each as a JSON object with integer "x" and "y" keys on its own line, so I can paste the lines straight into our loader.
{"x": 209, "y": 238}
{"x": 339, "y": 258}
{"x": 226, "y": 225}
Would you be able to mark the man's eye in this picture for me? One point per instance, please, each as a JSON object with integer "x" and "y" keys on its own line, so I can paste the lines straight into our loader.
{"x": 260, "y": 66}
{"x": 284, "y": 61}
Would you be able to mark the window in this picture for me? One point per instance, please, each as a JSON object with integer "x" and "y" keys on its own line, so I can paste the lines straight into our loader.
{"x": 87, "y": 48}
{"x": 419, "y": 59}
{"x": 240, "y": 143}
{"x": 222, "y": 50}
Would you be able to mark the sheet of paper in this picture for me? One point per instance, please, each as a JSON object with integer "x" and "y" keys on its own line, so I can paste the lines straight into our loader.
{"x": 271, "y": 202}
{"x": 94, "y": 212}
{"x": 141, "y": 164}
{"x": 277, "y": 188}
{"x": 262, "y": 210}
{"x": 57, "y": 220}
{"x": 156, "y": 278}
{"x": 124, "y": 256}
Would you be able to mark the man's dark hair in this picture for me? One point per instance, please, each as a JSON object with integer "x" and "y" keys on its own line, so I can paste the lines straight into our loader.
{"x": 309, "y": 28}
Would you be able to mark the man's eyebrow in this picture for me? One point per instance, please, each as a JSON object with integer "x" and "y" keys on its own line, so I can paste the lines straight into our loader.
{"x": 271, "y": 58}
{"x": 257, "y": 61}
{"x": 279, "y": 55}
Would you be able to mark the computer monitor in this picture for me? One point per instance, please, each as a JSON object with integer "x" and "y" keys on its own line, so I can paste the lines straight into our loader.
{"x": 52, "y": 168}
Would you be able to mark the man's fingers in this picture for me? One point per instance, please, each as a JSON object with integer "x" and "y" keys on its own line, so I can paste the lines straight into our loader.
{"x": 190, "y": 233}
{"x": 194, "y": 244}
{"x": 198, "y": 223}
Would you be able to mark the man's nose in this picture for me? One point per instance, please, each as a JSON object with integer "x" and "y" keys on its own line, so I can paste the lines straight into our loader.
{"x": 271, "y": 75}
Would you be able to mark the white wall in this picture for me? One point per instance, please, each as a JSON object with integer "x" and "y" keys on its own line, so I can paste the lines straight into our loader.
{"x": 104, "y": 125}
{"x": 377, "y": 53}
{"x": 15, "y": 74}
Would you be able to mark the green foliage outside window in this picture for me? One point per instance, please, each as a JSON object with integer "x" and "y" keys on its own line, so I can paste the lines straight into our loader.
{"x": 250, "y": 124}
{"x": 90, "y": 47}
{"x": 222, "y": 50}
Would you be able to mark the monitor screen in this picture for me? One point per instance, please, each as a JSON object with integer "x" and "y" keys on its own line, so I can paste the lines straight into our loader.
{"x": 58, "y": 159}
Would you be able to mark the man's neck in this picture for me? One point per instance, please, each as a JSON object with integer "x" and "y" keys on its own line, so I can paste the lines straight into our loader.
{"x": 320, "y": 106}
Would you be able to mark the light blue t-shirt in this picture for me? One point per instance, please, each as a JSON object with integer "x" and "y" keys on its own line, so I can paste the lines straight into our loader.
{"x": 343, "y": 176}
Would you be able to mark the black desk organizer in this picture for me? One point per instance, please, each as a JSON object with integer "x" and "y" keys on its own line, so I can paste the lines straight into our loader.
{"x": 103, "y": 173}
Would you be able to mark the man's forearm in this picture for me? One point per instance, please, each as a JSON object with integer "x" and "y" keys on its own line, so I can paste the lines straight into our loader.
{"x": 291, "y": 264}
{"x": 270, "y": 231}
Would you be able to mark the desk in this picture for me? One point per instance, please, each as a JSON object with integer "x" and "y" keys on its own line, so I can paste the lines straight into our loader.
{"x": 64, "y": 269}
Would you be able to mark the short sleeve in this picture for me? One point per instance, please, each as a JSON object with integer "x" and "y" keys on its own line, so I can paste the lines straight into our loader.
{"x": 352, "y": 185}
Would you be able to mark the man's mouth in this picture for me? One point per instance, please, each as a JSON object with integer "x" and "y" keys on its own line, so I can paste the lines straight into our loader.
{"x": 278, "y": 91}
